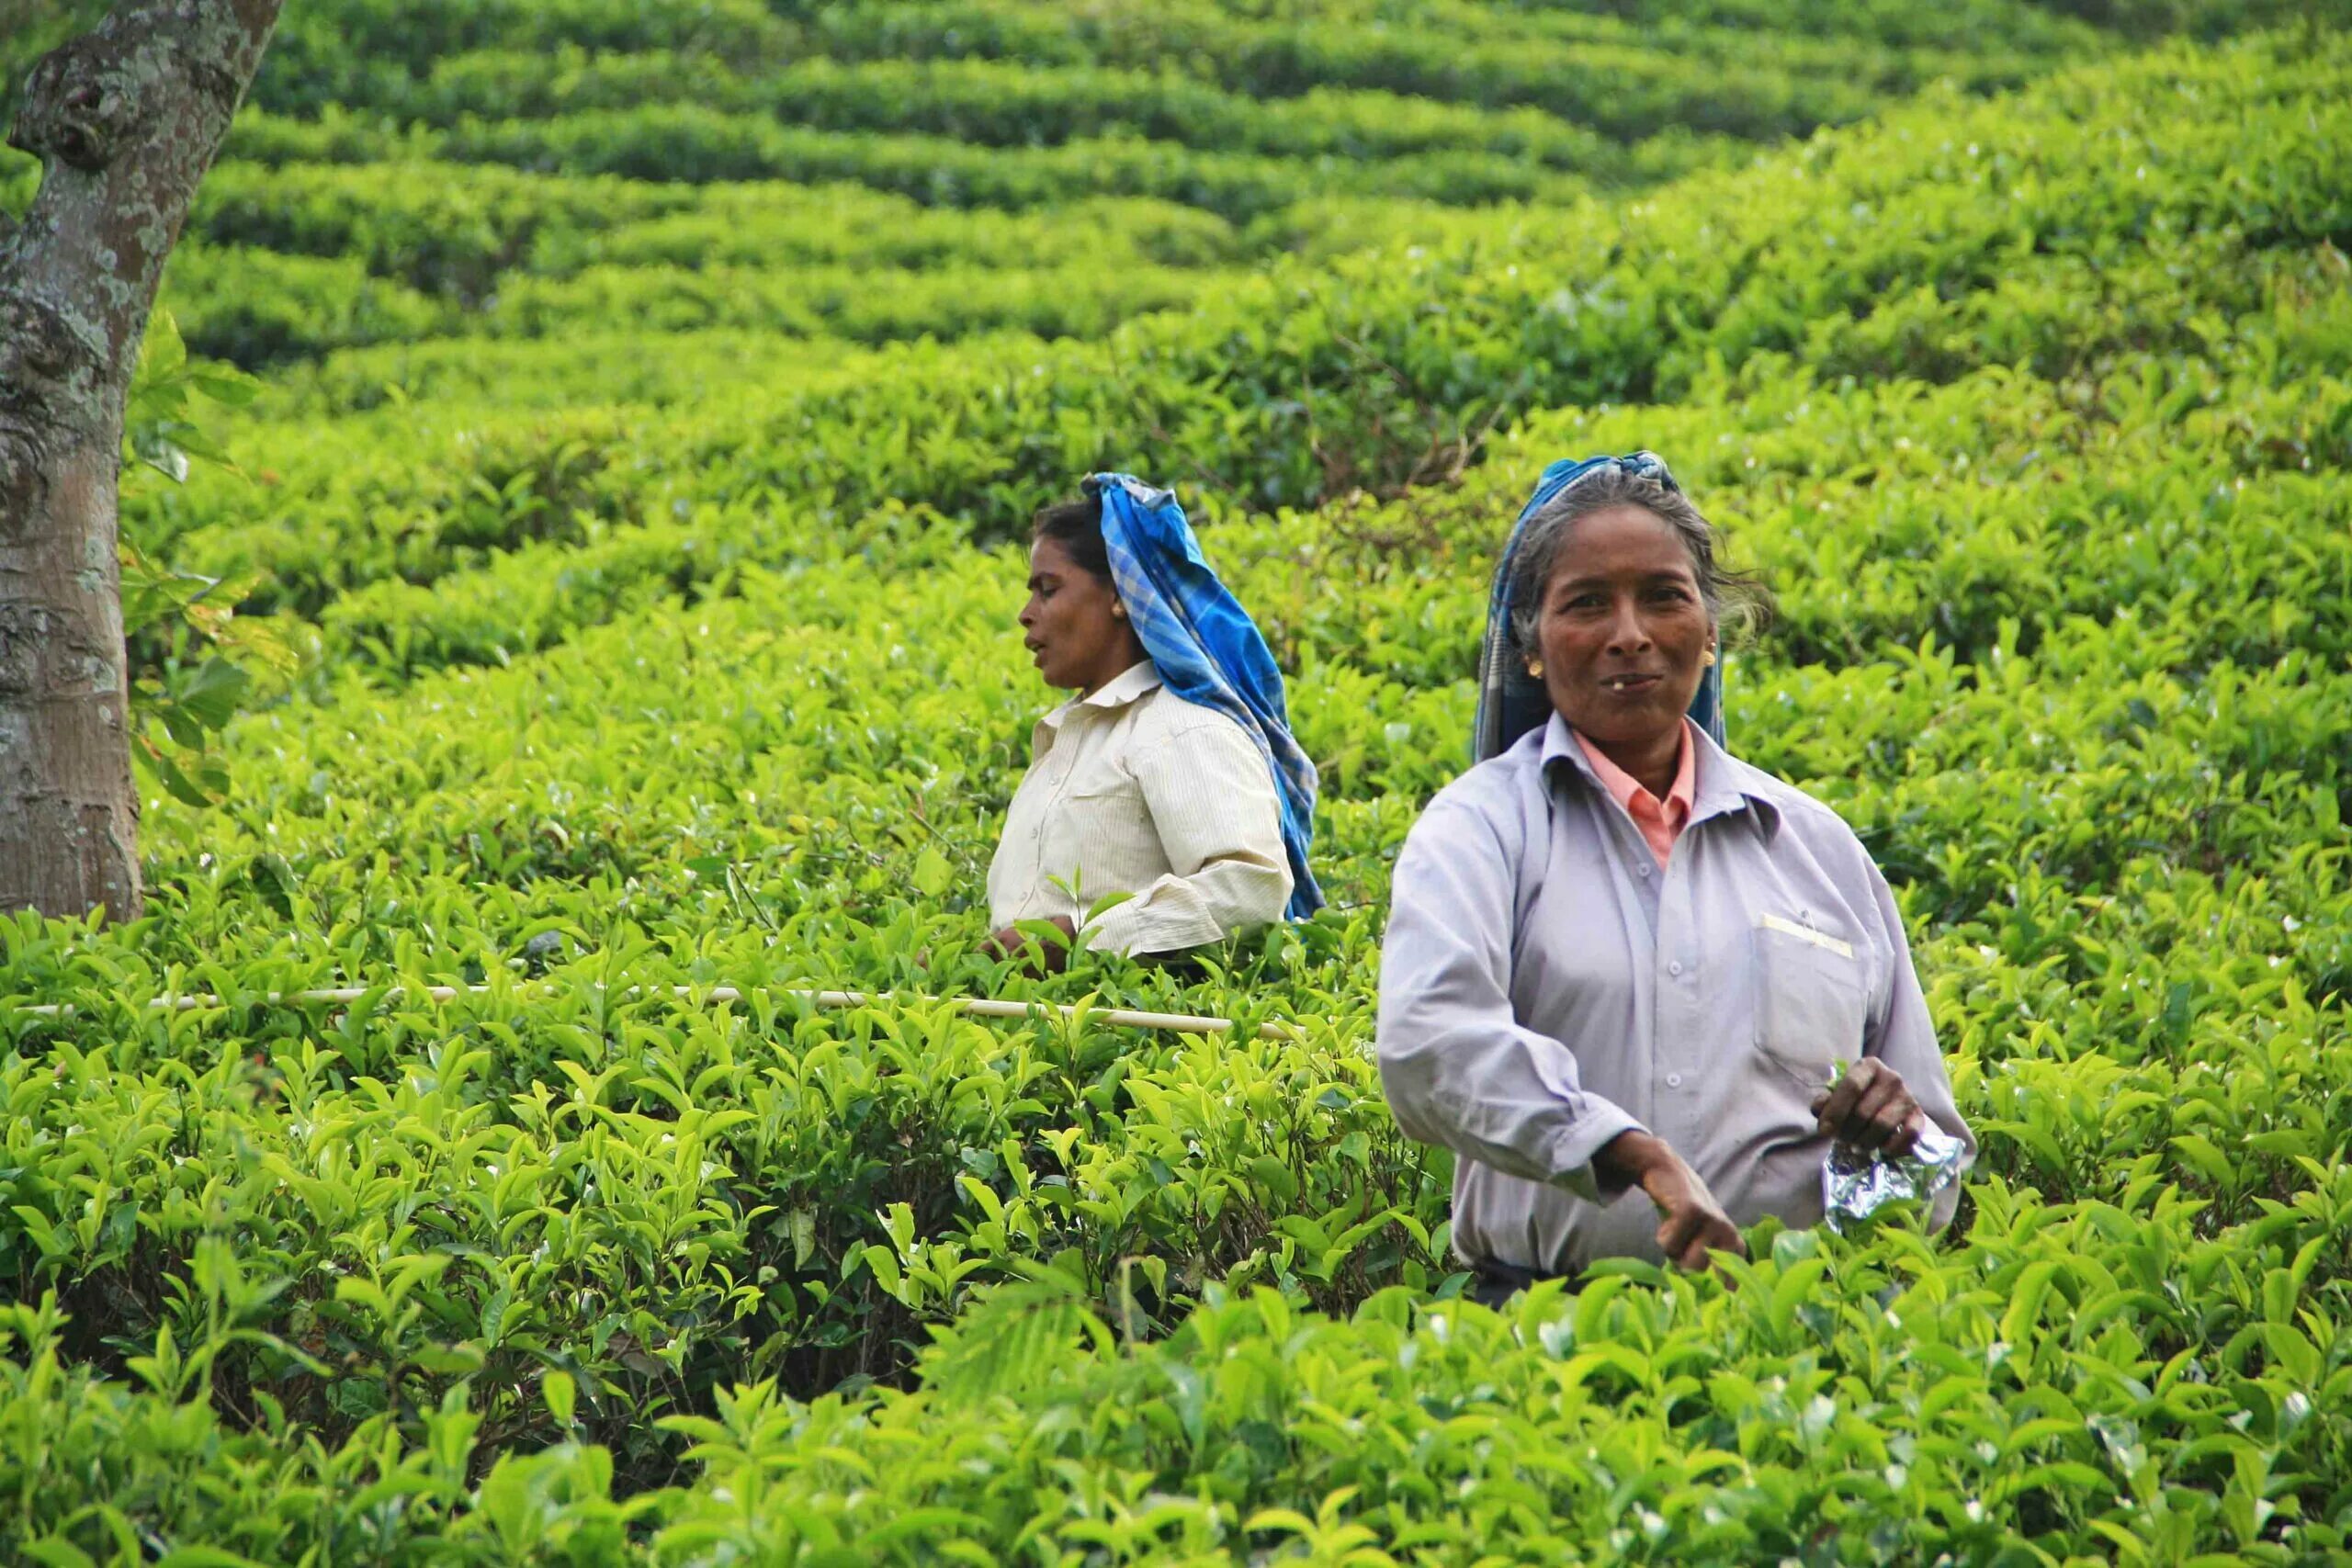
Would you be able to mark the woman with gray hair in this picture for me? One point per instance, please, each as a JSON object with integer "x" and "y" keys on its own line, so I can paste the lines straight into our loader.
{"x": 1617, "y": 956}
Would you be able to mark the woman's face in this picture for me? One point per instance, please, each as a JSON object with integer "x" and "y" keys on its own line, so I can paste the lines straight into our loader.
{"x": 1623, "y": 633}
{"x": 1070, "y": 623}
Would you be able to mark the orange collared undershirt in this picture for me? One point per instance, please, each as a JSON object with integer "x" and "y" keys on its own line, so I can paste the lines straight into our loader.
{"x": 1661, "y": 822}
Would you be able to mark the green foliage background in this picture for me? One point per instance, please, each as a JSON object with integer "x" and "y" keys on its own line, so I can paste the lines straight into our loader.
{"x": 650, "y": 390}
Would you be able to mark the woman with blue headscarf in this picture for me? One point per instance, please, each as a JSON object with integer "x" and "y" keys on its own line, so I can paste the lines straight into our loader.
{"x": 1171, "y": 777}
{"x": 1640, "y": 988}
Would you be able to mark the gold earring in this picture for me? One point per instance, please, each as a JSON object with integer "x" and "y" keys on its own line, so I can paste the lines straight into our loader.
{"x": 1119, "y": 610}
{"x": 1535, "y": 669}
{"x": 1708, "y": 659}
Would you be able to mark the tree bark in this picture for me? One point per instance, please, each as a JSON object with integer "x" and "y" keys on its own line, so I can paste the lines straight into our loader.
{"x": 126, "y": 119}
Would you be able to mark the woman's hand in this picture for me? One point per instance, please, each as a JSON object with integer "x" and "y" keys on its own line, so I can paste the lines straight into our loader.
{"x": 1692, "y": 1224}
{"x": 1870, "y": 1108}
{"x": 1054, "y": 957}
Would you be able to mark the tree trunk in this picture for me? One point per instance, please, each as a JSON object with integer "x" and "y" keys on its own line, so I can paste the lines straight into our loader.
{"x": 125, "y": 119}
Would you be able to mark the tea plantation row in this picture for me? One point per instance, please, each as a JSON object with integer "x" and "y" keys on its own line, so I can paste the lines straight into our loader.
{"x": 1944, "y": 241}
{"x": 371, "y": 122}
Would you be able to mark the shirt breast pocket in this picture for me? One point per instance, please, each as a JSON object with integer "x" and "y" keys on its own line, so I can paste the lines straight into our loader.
{"x": 1107, "y": 840}
{"x": 1811, "y": 1002}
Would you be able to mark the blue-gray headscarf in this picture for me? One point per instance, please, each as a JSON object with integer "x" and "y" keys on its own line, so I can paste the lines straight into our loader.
{"x": 1206, "y": 648}
{"x": 1510, "y": 701}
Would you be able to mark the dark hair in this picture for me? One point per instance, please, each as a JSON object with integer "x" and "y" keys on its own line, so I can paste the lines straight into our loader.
{"x": 1738, "y": 598}
{"x": 1076, "y": 527}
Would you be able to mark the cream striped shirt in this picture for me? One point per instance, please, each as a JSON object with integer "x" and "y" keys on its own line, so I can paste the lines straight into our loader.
{"x": 1135, "y": 790}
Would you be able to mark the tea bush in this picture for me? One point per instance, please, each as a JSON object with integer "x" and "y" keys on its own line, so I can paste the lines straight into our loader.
{"x": 1605, "y": 71}
{"x": 693, "y": 143}
{"x": 455, "y": 231}
{"x": 451, "y": 147}
{"x": 995, "y": 103}
{"x": 1610, "y": 73}
{"x": 1310, "y": 382}
{"x": 667, "y": 658}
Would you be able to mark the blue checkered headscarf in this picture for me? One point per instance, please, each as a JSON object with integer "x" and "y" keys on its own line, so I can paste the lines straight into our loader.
{"x": 1206, "y": 648}
{"x": 1510, "y": 701}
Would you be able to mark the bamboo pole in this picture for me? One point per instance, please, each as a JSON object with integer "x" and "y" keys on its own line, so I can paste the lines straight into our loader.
{"x": 975, "y": 1007}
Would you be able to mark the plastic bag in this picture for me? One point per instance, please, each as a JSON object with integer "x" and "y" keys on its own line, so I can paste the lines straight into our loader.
{"x": 1857, "y": 1183}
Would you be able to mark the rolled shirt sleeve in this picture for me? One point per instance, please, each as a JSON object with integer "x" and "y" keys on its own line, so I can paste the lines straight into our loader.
{"x": 1212, "y": 801}
{"x": 1457, "y": 1065}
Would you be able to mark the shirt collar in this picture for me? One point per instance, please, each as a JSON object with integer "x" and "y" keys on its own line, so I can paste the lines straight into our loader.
{"x": 1720, "y": 783}
{"x": 1136, "y": 681}
{"x": 1627, "y": 789}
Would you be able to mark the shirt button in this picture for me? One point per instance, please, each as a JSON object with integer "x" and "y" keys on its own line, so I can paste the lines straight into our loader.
{"x": 1675, "y": 967}
{"x": 1674, "y": 1080}
{"x": 1640, "y": 871}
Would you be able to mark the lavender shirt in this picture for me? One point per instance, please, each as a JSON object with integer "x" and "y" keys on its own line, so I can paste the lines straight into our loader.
{"x": 1545, "y": 986}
